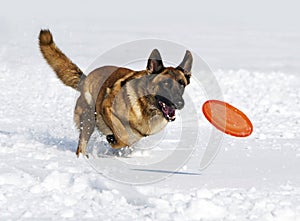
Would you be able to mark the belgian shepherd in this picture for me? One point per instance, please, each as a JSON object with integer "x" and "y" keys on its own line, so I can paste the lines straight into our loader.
{"x": 123, "y": 104}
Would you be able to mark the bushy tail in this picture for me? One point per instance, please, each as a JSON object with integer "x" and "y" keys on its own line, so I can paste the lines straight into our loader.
{"x": 65, "y": 69}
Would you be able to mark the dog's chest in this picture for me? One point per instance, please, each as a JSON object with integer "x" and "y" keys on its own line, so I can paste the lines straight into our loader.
{"x": 143, "y": 115}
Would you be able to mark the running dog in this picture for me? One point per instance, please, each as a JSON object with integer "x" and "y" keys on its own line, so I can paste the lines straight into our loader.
{"x": 123, "y": 104}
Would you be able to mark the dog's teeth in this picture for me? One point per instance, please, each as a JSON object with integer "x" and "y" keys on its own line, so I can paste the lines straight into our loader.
{"x": 162, "y": 104}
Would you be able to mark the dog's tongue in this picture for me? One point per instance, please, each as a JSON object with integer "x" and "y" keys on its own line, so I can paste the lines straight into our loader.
{"x": 169, "y": 112}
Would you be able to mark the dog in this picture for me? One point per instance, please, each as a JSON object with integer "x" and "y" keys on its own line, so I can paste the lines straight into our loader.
{"x": 123, "y": 104}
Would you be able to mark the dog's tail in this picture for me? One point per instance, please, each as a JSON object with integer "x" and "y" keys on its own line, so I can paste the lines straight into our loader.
{"x": 65, "y": 69}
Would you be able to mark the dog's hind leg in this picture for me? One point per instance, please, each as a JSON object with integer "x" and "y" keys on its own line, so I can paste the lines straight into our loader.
{"x": 85, "y": 121}
{"x": 87, "y": 126}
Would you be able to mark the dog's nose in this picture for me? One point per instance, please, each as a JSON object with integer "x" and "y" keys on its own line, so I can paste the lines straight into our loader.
{"x": 179, "y": 104}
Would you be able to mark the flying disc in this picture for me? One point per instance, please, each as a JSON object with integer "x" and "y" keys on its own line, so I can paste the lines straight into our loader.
{"x": 227, "y": 118}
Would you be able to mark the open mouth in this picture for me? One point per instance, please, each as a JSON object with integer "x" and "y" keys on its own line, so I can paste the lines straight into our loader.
{"x": 168, "y": 111}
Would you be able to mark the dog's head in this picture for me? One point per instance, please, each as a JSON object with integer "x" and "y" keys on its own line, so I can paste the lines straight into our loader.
{"x": 168, "y": 83}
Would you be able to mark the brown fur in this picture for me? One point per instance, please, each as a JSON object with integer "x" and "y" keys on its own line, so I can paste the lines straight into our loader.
{"x": 64, "y": 68}
{"x": 121, "y": 103}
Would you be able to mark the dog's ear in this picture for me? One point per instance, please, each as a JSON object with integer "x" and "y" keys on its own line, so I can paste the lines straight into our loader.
{"x": 155, "y": 64}
{"x": 186, "y": 65}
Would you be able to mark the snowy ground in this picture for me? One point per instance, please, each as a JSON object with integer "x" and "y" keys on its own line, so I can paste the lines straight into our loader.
{"x": 255, "y": 178}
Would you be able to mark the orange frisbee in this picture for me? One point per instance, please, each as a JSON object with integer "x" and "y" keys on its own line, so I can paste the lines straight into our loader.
{"x": 227, "y": 118}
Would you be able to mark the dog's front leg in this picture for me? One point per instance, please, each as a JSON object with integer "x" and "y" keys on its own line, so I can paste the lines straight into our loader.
{"x": 87, "y": 126}
{"x": 120, "y": 137}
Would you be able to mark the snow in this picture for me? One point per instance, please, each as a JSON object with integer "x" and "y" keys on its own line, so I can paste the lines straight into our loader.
{"x": 253, "y": 178}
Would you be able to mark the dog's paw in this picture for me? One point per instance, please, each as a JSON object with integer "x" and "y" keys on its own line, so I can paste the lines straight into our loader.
{"x": 83, "y": 154}
{"x": 111, "y": 139}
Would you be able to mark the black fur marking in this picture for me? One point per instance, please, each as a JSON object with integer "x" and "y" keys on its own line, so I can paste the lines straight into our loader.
{"x": 123, "y": 83}
{"x": 111, "y": 139}
{"x": 187, "y": 78}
